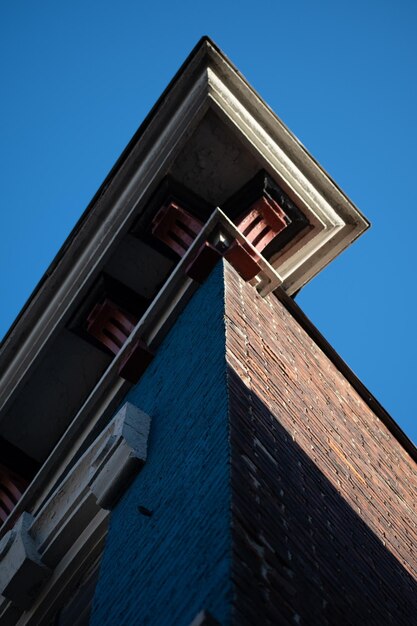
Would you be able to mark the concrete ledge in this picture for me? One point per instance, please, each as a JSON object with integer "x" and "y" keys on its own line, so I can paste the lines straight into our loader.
{"x": 22, "y": 572}
{"x": 66, "y": 531}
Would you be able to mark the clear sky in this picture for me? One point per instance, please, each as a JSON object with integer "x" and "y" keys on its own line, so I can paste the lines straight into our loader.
{"x": 78, "y": 77}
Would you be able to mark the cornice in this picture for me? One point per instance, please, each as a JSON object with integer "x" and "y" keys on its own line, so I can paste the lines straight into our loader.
{"x": 207, "y": 81}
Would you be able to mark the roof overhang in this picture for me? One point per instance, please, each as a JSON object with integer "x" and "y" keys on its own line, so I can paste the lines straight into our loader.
{"x": 207, "y": 84}
{"x": 206, "y": 81}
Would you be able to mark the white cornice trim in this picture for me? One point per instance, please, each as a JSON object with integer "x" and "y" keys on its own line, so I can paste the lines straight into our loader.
{"x": 208, "y": 81}
{"x": 105, "y": 224}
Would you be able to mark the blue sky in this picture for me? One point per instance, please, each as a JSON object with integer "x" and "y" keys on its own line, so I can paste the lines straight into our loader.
{"x": 78, "y": 78}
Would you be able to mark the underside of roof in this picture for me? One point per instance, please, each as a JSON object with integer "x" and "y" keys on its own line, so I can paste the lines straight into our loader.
{"x": 211, "y": 159}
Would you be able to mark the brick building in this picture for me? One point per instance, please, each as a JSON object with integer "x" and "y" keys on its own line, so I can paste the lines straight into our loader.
{"x": 179, "y": 445}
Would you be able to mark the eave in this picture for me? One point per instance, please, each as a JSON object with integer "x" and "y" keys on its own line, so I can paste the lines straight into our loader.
{"x": 207, "y": 83}
{"x": 206, "y": 80}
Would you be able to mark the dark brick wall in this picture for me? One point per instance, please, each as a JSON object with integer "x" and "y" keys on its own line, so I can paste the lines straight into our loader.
{"x": 277, "y": 495}
{"x": 165, "y": 567}
{"x": 323, "y": 496}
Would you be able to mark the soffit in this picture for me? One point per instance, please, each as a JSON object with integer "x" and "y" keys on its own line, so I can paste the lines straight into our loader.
{"x": 213, "y": 132}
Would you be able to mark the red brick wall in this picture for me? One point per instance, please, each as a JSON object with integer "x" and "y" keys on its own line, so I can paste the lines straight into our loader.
{"x": 324, "y": 496}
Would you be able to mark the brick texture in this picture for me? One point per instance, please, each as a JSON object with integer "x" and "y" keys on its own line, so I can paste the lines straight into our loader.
{"x": 323, "y": 496}
{"x": 272, "y": 494}
{"x": 168, "y": 550}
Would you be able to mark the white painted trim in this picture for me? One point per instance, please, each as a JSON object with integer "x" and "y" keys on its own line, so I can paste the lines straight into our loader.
{"x": 83, "y": 262}
{"x": 209, "y": 81}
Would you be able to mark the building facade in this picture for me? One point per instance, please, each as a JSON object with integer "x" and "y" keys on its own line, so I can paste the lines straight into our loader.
{"x": 179, "y": 445}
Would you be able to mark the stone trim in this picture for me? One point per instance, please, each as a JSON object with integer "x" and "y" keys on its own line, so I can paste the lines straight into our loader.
{"x": 22, "y": 571}
{"x": 42, "y": 555}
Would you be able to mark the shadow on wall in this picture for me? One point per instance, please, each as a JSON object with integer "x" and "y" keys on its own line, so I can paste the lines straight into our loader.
{"x": 302, "y": 555}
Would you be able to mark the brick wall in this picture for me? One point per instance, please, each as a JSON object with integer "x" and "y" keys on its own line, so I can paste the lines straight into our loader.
{"x": 274, "y": 494}
{"x": 164, "y": 567}
{"x": 324, "y": 497}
